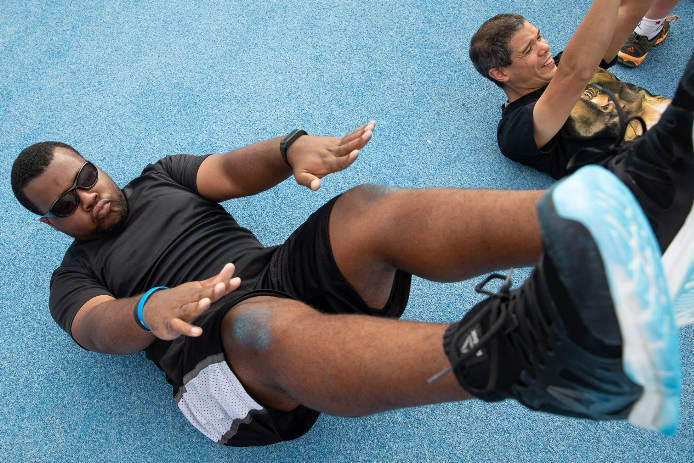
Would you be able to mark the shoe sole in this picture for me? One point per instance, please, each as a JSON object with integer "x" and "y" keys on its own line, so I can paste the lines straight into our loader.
{"x": 678, "y": 264}
{"x": 631, "y": 256}
{"x": 630, "y": 61}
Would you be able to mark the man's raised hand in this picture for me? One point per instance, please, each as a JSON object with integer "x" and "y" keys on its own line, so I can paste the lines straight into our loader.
{"x": 168, "y": 312}
{"x": 312, "y": 158}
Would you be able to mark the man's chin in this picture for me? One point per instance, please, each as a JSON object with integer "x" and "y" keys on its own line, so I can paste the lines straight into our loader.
{"x": 118, "y": 214}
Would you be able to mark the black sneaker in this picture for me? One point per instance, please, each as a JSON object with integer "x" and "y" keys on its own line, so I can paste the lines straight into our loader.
{"x": 590, "y": 334}
{"x": 658, "y": 168}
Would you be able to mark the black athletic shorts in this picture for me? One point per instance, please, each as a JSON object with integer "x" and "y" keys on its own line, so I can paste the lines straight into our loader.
{"x": 205, "y": 388}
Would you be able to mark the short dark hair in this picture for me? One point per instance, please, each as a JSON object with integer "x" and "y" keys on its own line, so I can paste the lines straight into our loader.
{"x": 489, "y": 47}
{"x": 31, "y": 163}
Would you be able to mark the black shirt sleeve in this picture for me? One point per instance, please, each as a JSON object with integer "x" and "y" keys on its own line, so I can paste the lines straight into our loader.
{"x": 181, "y": 168}
{"x": 71, "y": 287}
{"x": 516, "y": 138}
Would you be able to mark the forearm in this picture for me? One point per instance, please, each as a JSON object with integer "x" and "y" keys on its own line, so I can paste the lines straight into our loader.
{"x": 259, "y": 167}
{"x": 244, "y": 172}
{"x": 589, "y": 43}
{"x": 579, "y": 63}
{"x": 110, "y": 327}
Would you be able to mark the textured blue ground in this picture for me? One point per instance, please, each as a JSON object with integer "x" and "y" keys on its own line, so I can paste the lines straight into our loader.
{"x": 127, "y": 82}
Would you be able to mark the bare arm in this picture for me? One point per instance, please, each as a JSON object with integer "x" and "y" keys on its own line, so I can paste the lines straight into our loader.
{"x": 259, "y": 167}
{"x": 594, "y": 39}
{"x": 104, "y": 324}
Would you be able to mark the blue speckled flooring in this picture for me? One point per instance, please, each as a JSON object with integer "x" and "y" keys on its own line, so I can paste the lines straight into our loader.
{"x": 127, "y": 82}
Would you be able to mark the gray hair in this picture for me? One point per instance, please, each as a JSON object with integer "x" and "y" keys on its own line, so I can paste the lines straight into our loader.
{"x": 489, "y": 47}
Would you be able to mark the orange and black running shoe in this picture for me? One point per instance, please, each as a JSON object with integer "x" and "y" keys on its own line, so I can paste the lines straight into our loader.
{"x": 637, "y": 46}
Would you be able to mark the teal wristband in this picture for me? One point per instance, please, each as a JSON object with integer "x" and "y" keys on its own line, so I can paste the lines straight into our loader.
{"x": 137, "y": 313}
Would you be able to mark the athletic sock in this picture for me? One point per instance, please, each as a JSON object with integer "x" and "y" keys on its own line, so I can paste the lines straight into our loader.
{"x": 649, "y": 27}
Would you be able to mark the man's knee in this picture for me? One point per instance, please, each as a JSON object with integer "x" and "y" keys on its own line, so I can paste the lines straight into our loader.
{"x": 360, "y": 205}
{"x": 249, "y": 327}
{"x": 367, "y": 194}
{"x": 252, "y": 336}
{"x": 255, "y": 325}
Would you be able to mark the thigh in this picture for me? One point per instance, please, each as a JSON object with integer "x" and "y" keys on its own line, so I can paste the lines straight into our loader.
{"x": 305, "y": 268}
{"x": 251, "y": 336}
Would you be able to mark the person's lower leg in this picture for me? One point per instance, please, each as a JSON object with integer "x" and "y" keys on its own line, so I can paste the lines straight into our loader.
{"x": 285, "y": 354}
{"x": 630, "y": 13}
{"x": 660, "y": 9}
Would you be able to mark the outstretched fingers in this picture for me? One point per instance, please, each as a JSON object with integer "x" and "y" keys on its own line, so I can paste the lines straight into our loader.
{"x": 349, "y": 146}
{"x": 223, "y": 276}
{"x": 192, "y": 299}
{"x": 220, "y": 284}
{"x": 361, "y": 135}
{"x": 331, "y": 155}
{"x": 205, "y": 297}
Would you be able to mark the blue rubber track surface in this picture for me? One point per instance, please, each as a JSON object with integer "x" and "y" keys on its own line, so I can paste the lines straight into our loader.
{"x": 128, "y": 82}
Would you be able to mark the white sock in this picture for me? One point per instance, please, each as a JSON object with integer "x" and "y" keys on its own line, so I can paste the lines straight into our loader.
{"x": 649, "y": 27}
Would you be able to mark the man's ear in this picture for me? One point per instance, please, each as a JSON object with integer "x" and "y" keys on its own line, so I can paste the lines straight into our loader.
{"x": 499, "y": 74}
{"x": 48, "y": 222}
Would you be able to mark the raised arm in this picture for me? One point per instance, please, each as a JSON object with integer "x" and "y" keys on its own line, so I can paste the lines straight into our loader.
{"x": 599, "y": 36}
{"x": 107, "y": 325}
{"x": 259, "y": 167}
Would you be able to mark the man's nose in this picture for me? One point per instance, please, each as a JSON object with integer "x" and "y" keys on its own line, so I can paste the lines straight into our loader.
{"x": 87, "y": 197}
{"x": 544, "y": 47}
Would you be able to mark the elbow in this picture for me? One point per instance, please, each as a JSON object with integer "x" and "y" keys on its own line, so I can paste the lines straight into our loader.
{"x": 578, "y": 72}
{"x": 584, "y": 75}
{"x": 105, "y": 345}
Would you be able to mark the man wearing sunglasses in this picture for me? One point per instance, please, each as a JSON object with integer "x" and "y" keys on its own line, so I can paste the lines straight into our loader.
{"x": 108, "y": 213}
{"x": 257, "y": 349}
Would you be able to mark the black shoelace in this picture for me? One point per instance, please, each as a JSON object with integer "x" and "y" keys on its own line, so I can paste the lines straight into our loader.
{"x": 497, "y": 311}
{"x": 620, "y": 146}
{"x": 529, "y": 333}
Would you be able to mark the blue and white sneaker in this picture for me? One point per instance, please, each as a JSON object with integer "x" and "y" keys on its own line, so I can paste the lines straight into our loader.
{"x": 591, "y": 333}
{"x": 659, "y": 170}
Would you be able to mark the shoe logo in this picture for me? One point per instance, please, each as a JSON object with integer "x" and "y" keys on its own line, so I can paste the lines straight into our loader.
{"x": 630, "y": 49}
{"x": 472, "y": 339}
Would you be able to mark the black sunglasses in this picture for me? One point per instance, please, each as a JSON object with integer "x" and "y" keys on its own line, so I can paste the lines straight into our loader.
{"x": 67, "y": 203}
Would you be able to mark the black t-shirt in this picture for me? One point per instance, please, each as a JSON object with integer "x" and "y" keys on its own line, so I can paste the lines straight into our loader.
{"x": 593, "y": 123}
{"x": 171, "y": 236}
